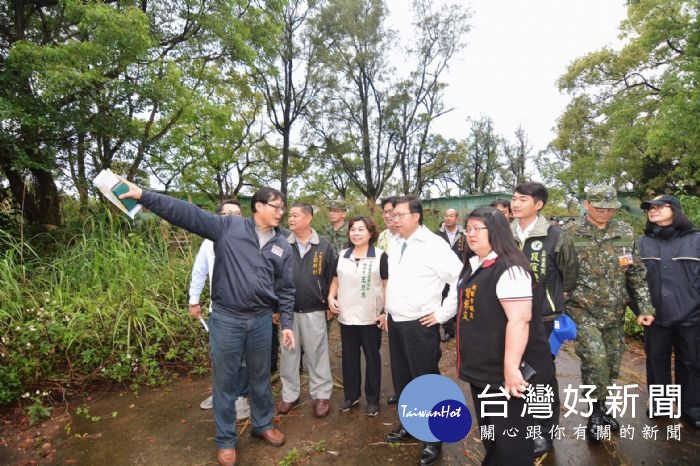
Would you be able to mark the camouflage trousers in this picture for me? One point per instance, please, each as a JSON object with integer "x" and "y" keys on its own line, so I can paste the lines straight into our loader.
{"x": 600, "y": 350}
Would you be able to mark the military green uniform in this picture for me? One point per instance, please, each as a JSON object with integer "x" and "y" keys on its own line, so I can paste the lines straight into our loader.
{"x": 338, "y": 238}
{"x": 601, "y": 293}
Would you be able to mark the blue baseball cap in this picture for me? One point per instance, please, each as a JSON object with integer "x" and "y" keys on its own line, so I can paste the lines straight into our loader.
{"x": 564, "y": 329}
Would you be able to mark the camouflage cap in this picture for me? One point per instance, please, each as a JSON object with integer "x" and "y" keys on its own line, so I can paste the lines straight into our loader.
{"x": 337, "y": 205}
{"x": 603, "y": 197}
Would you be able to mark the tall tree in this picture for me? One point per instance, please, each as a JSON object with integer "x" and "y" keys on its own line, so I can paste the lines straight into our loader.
{"x": 285, "y": 78}
{"x": 419, "y": 100}
{"x": 638, "y": 106}
{"x": 349, "y": 118}
{"x": 87, "y": 84}
{"x": 474, "y": 170}
{"x": 516, "y": 156}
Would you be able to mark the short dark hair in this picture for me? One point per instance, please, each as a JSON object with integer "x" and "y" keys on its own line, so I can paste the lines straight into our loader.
{"x": 414, "y": 205}
{"x": 304, "y": 207}
{"x": 220, "y": 207}
{"x": 388, "y": 200}
{"x": 502, "y": 202}
{"x": 501, "y": 237}
{"x": 536, "y": 190}
{"x": 265, "y": 195}
{"x": 369, "y": 224}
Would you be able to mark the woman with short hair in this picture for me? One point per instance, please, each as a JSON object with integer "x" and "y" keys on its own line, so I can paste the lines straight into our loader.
{"x": 356, "y": 296}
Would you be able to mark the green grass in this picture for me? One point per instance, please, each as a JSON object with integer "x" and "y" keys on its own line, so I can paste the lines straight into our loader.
{"x": 99, "y": 301}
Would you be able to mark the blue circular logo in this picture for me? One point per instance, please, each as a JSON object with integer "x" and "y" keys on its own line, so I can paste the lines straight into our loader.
{"x": 432, "y": 408}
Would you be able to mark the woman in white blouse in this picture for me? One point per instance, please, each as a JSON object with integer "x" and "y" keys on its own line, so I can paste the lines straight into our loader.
{"x": 356, "y": 296}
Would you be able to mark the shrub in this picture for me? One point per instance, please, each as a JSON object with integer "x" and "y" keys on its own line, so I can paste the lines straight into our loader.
{"x": 107, "y": 302}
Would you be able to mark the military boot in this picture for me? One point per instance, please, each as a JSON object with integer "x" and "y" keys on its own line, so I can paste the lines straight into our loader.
{"x": 594, "y": 422}
{"x": 609, "y": 420}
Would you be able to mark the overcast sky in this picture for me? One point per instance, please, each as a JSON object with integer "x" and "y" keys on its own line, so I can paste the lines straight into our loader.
{"x": 515, "y": 52}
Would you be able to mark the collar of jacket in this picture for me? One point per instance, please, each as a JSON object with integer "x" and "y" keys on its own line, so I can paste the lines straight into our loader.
{"x": 460, "y": 229}
{"x": 541, "y": 227}
{"x": 314, "y": 237}
{"x": 250, "y": 221}
{"x": 370, "y": 252}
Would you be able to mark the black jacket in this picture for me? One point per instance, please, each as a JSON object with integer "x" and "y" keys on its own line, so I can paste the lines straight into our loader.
{"x": 313, "y": 273}
{"x": 247, "y": 280}
{"x": 673, "y": 275}
{"x": 553, "y": 259}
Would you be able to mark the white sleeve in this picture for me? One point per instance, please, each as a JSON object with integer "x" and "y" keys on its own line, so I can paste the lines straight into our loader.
{"x": 514, "y": 284}
{"x": 451, "y": 267}
{"x": 200, "y": 272}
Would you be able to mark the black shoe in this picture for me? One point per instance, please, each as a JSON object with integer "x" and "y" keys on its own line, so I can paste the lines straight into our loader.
{"x": 347, "y": 405}
{"x": 446, "y": 337}
{"x": 611, "y": 421}
{"x": 372, "y": 409}
{"x": 595, "y": 425}
{"x": 542, "y": 446}
{"x": 429, "y": 455}
{"x": 397, "y": 435}
{"x": 392, "y": 400}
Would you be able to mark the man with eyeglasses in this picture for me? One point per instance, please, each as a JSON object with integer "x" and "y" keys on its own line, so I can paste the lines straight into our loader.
{"x": 202, "y": 269}
{"x": 610, "y": 274}
{"x": 419, "y": 268}
{"x": 253, "y": 276}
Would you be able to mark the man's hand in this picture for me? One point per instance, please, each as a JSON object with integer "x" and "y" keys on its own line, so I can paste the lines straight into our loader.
{"x": 645, "y": 319}
{"x": 195, "y": 310}
{"x": 276, "y": 318}
{"x": 429, "y": 320}
{"x": 288, "y": 338}
{"x": 134, "y": 191}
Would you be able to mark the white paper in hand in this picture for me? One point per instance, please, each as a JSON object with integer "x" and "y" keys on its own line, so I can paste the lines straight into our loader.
{"x": 106, "y": 181}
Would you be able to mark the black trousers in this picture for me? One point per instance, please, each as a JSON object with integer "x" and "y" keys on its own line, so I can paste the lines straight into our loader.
{"x": 414, "y": 350}
{"x": 275, "y": 348}
{"x": 659, "y": 343}
{"x": 368, "y": 339}
{"x": 509, "y": 447}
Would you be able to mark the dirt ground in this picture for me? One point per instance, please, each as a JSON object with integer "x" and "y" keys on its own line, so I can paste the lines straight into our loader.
{"x": 165, "y": 426}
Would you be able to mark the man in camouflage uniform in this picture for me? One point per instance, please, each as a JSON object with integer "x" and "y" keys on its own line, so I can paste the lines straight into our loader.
{"x": 337, "y": 231}
{"x": 609, "y": 266}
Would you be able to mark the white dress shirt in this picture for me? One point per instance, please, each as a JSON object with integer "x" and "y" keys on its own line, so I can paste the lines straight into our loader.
{"x": 419, "y": 274}
{"x": 203, "y": 267}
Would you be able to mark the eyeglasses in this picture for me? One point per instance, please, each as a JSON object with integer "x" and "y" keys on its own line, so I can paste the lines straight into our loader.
{"x": 388, "y": 213}
{"x": 278, "y": 208}
{"x": 474, "y": 229}
{"x": 658, "y": 207}
{"x": 602, "y": 210}
{"x": 230, "y": 214}
{"x": 400, "y": 214}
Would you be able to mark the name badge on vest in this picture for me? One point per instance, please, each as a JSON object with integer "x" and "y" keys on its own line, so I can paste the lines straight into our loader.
{"x": 276, "y": 250}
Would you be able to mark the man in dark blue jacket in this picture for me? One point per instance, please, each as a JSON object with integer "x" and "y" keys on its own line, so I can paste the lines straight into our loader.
{"x": 253, "y": 275}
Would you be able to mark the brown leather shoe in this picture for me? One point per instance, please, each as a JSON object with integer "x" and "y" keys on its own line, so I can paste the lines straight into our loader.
{"x": 227, "y": 456}
{"x": 272, "y": 437}
{"x": 283, "y": 407}
{"x": 322, "y": 408}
